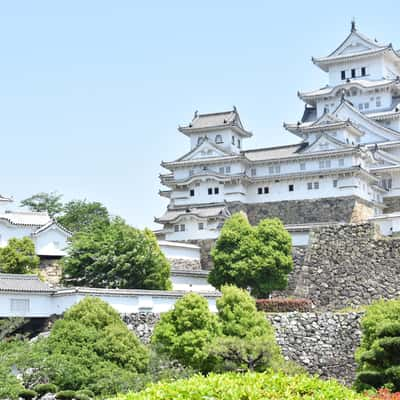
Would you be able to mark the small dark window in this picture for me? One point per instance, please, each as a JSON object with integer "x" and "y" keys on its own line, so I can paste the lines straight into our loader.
{"x": 291, "y": 188}
{"x": 201, "y": 226}
{"x": 233, "y": 139}
{"x": 209, "y": 190}
{"x": 216, "y": 190}
{"x": 343, "y": 74}
{"x": 353, "y": 73}
{"x": 260, "y": 190}
{"x": 191, "y": 192}
{"x": 238, "y": 143}
{"x": 266, "y": 190}
{"x": 176, "y": 228}
{"x": 363, "y": 71}
{"x": 218, "y": 139}
{"x": 183, "y": 228}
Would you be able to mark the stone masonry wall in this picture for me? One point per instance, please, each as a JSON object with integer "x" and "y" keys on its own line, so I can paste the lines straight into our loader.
{"x": 392, "y": 204}
{"x": 349, "y": 265}
{"x": 342, "y": 209}
{"x": 323, "y": 344}
{"x": 50, "y": 269}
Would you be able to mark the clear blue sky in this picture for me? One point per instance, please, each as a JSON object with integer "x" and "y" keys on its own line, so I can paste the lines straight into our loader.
{"x": 91, "y": 92}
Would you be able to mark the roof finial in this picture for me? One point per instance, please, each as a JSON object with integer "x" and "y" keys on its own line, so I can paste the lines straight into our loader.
{"x": 353, "y": 24}
{"x": 234, "y": 109}
{"x": 196, "y": 113}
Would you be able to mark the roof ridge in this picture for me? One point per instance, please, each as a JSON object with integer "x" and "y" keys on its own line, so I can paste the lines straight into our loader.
{"x": 273, "y": 147}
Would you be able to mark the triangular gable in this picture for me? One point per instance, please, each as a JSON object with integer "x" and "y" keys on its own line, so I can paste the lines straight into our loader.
{"x": 52, "y": 225}
{"x": 388, "y": 158}
{"x": 355, "y": 43}
{"x": 324, "y": 142}
{"x": 325, "y": 119}
{"x": 372, "y": 130}
{"x": 204, "y": 150}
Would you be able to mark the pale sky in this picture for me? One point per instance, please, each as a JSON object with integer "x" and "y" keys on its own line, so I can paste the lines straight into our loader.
{"x": 91, "y": 92}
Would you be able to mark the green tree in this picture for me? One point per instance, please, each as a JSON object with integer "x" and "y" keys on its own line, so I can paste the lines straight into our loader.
{"x": 90, "y": 342}
{"x": 40, "y": 202}
{"x": 258, "y": 257}
{"x": 378, "y": 356}
{"x": 19, "y": 257}
{"x": 185, "y": 332}
{"x": 248, "y": 339}
{"x": 80, "y": 214}
{"x": 116, "y": 256}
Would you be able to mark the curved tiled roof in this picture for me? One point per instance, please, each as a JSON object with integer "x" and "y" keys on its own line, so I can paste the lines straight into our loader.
{"x": 23, "y": 283}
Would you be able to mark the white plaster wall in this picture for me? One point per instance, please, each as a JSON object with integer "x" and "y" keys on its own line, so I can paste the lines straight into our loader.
{"x": 300, "y": 238}
{"x": 191, "y": 283}
{"x": 177, "y": 250}
{"x": 226, "y": 137}
{"x": 44, "y": 305}
{"x": 51, "y": 242}
{"x": 8, "y": 231}
{"x": 192, "y": 230}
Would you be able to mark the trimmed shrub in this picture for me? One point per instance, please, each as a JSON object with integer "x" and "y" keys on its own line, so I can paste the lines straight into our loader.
{"x": 66, "y": 395}
{"x": 27, "y": 394}
{"x": 254, "y": 386}
{"x": 44, "y": 388}
{"x": 88, "y": 392}
{"x": 81, "y": 396}
{"x": 280, "y": 304}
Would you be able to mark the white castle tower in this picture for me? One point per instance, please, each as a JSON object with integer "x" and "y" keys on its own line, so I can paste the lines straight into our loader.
{"x": 346, "y": 168}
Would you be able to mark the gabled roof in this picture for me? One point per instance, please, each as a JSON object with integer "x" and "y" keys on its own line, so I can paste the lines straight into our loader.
{"x": 170, "y": 216}
{"x": 23, "y": 283}
{"x": 271, "y": 153}
{"x": 5, "y": 199}
{"x": 355, "y": 45}
{"x": 49, "y": 225}
{"x": 323, "y": 136}
{"x": 310, "y": 97}
{"x": 215, "y": 121}
{"x": 221, "y": 152}
{"x": 26, "y": 218}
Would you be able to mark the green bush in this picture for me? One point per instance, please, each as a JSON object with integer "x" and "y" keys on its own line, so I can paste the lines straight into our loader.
{"x": 184, "y": 333}
{"x": 27, "y": 394}
{"x": 44, "y": 388}
{"x": 88, "y": 392}
{"x": 254, "y": 386}
{"x": 65, "y": 395}
{"x": 378, "y": 356}
{"x": 81, "y": 396}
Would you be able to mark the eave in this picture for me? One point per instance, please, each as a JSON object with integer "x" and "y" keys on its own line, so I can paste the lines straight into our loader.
{"x": 171, "y": 165}
{"x": 189, "y": 130}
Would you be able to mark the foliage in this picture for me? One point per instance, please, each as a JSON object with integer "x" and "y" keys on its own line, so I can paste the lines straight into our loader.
{"x": 280, "y": 304}
{"x": 116, "y": 256}
{"x": 27, "y": 394}
{"x": 19, "y": 257}
{"x": 10, "y": 386}
{"x": 8, "y": 326}
{"x": 80, "y": 215}
{"x": 248, "y": 339}
{"x": 65, "y": 395}
{"x": 44, "y": 388}
{"x": 255, "y": 257}
{"x": 184, "y": 332}
{"x": 87, "y": 392}
{"x": 254, "y": 386}
{"x": 378, "y": 356}
{"x": 42, "y": 202}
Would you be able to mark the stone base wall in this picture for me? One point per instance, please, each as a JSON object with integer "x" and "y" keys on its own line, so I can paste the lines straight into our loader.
{"x": 392, "y": 204}
{"x": 348, "y": 265}
{"x": 50, "y": 269}
{"x": 205, "y": 252}
{"x": 340, "y": 209}
{"x": 184, "y": 264}
{"x": 323, "y": 344}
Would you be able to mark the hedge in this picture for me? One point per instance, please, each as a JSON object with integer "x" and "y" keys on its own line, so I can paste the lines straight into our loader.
{"x": 280, "y": 304}
{"x": 251, "y": 385}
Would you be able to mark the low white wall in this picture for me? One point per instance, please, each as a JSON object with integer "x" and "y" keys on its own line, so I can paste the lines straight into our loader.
{"x": 191, "y": 283}
{"x": 179, "y": 250}
{"x": 42, "y": 305}
{"x": 389, "y": 224}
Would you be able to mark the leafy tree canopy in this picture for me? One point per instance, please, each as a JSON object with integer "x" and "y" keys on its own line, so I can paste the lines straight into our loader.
{"x": 19, "y": 257}
{"x": 185, "y": 332}
{"x": 252, "y": 257}
{"x": 378, "y": 356}
{"x": 116, "y": 256}
{"x": 248, "y": 339}
{"x": 89, "y": 348}
{"x": 40, "y": 202}
{"x": 78, "y": 215}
